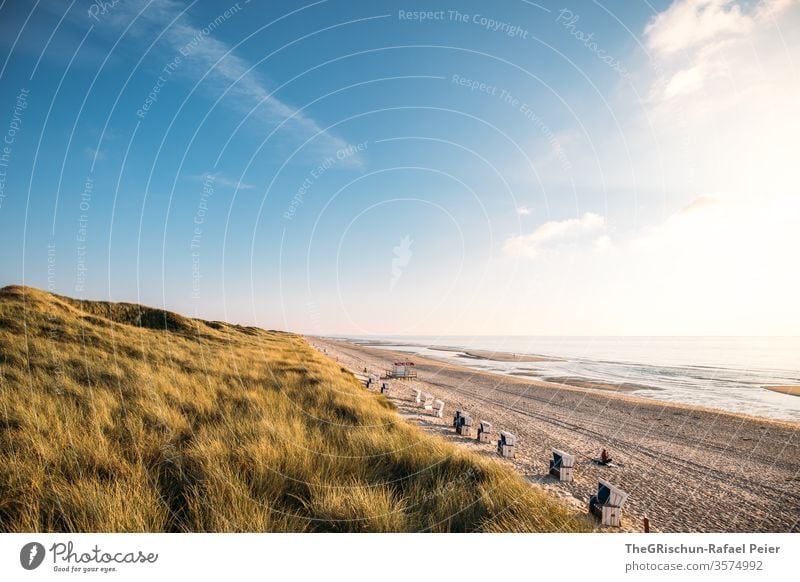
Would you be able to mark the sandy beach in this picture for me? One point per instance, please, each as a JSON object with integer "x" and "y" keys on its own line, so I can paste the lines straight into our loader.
{"x": 686, "y": 469}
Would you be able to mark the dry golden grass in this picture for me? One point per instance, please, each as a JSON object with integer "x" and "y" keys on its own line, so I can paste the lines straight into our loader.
{"x": 122, "y": 418}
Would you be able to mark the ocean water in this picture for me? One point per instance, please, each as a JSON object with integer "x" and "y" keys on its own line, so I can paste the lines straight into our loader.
{"x": 728, "y": 373}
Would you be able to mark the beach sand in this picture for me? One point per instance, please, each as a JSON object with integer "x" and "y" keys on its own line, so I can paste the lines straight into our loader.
{"x": 791, "y": 390}
{"x": 687, "y": 469}
{"x": 581, "y": 383}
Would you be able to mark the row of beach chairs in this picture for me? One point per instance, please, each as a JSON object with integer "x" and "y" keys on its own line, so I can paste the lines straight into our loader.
{"x": 464, "y": 425}
{"x": 606, "y": 505}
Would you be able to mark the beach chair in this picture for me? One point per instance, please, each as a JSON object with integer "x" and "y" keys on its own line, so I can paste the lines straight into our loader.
{"x": 385, "y": 388}
{"x": 438, "y": 408}
{"x": 607, "y": 504}
{"x": 506, "y": 445}
{"x": 456, "y": 416}
{"x": 464, "y": 427}
{"x": 561, "y": 465}
{"x": 484, "y": 431}
{"x": 417, "y": 395}
{"x": 428, "y": 401}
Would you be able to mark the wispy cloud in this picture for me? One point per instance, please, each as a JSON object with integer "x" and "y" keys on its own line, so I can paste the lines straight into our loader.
{"x": 696, "y": 41}
{"x": 687, "y": 24}
{"x": 714, "y": 110}
{"x": 557, "y": 234}
{"x": 204, "y": 55}
{"x": 723, "y": 94}
{"x": 523, "y": 211}
{"x": 221, "y": 180}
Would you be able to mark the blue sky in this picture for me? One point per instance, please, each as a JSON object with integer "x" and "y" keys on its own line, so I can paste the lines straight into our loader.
{"x": 492, "y": 168}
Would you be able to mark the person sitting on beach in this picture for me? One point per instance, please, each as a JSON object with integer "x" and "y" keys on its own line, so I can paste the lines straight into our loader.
{"x": 605, "y": 459}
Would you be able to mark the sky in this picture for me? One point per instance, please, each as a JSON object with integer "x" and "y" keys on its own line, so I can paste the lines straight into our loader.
{"x": 409, "y": 168}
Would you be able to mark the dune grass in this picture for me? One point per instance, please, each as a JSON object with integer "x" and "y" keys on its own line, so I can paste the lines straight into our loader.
{"x": 122, "y": 418}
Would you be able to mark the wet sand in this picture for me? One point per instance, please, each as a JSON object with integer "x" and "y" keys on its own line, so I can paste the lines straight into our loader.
{"x": 581, "y": 383}
{"x": 498, "y": 356}
{"x": 688, "y": 469}
{"x": 791, "y": 390}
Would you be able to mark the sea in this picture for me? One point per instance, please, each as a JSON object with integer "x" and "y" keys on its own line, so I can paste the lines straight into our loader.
{"x": 728, "y": 373}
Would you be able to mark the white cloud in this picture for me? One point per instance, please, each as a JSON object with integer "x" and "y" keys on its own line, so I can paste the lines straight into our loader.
{"x": 722, "y": 105}
{"x": 686, "y": 81}
{"x": 690, "y": 23}
{"x": 601, "y": 243}
{"x": 714, "y": 112}
{"x": 718, "y": 115}
{"x": 720, "y": 265}
{"x": 523, "y": 211}
{"x": 696, "y": 43}
{"x": 555, "y": 235}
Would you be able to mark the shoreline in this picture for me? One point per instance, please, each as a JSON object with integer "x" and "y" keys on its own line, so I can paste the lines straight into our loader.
{"x": 567, "y": 382}
{"x": 686, "y": 468}
{"x": 575, "y": 384}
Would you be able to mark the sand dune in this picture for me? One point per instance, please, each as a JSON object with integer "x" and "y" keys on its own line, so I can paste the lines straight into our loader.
{"x": 117, "y": 417}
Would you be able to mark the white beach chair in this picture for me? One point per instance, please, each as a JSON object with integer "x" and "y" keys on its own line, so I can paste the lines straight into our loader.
{"x": 428, "y": 401}
{"x": 561, "y": 465}
{"x": 607, "y": 504}
{"x": 417, "y": 395}
{"x": 464, "y": 427}
{"x": 506, "y": 445}
{"x": 438, "y": 408}
{"x": 484, "y": 431}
